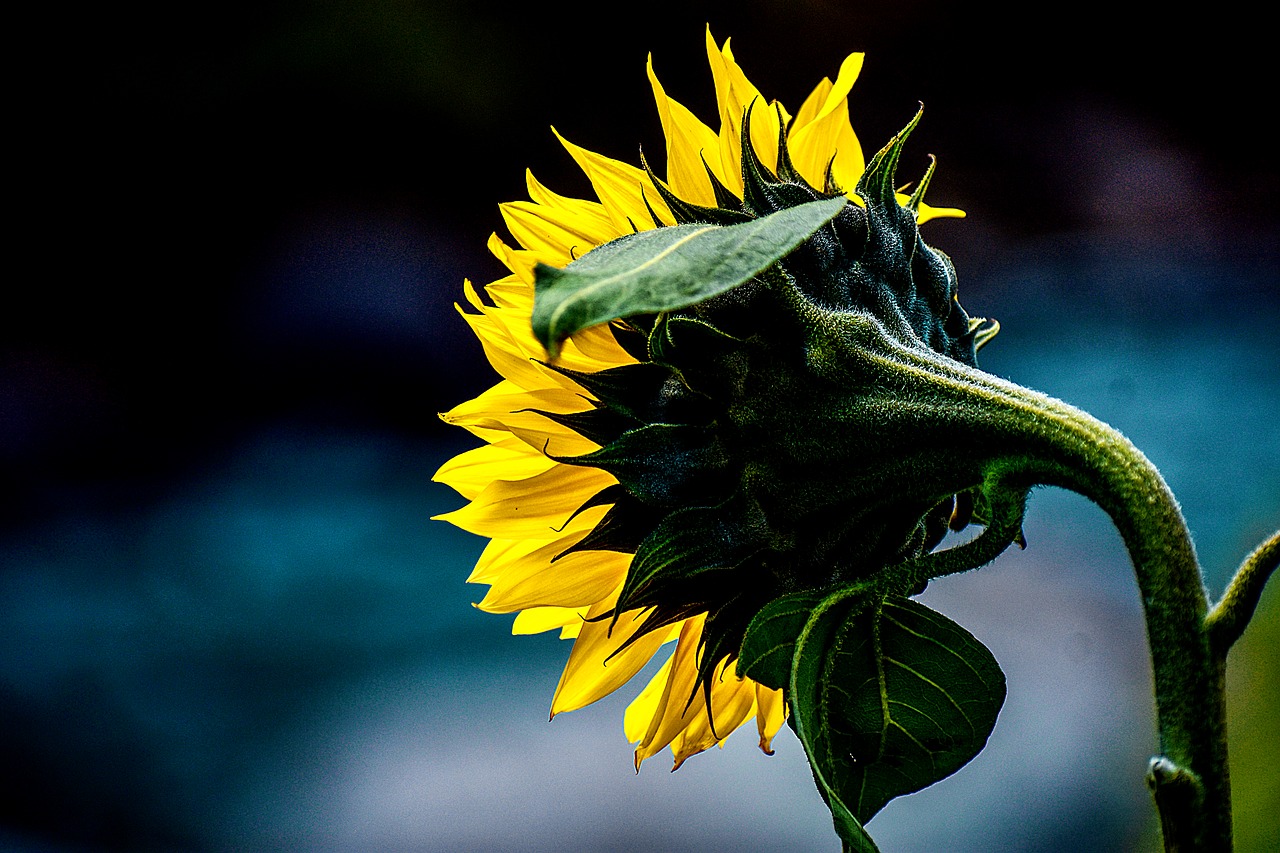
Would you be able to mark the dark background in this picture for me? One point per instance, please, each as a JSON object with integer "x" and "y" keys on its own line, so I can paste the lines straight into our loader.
{"x": 239, "y": 234}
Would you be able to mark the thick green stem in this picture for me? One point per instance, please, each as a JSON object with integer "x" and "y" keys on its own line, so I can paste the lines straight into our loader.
{"x": 1012, "y": 438}
{"x": 1189, "y": 677}
{"x": 1060, "y": 445}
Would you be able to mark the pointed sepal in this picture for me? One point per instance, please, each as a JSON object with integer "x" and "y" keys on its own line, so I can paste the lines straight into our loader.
{"x": 876, "y": 186}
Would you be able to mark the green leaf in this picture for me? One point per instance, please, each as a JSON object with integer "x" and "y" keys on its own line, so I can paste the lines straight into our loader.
{"x": 769, "y": 644}
{"x": 666, "y": 268}
{"x": 887, "y": 700}
{"x": 810, "y": 716}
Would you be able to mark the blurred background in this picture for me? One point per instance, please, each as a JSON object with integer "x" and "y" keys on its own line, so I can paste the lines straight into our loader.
{"x": 226, "y": 621}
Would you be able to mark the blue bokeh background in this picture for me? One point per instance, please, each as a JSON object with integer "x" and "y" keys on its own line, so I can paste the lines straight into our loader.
{"x": 226, "y": 621}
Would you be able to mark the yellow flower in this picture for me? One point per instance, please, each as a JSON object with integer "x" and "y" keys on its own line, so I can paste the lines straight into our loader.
{"x": 551, "y": 559}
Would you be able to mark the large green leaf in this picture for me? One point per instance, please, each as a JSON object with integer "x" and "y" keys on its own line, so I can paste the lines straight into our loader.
{"x": 769, "y": 645}
{"x": 887, "y": 699}
{"x": 666, "y": 268}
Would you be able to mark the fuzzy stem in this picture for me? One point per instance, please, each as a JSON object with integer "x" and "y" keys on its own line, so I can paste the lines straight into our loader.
{"x": 1072, "y": 449}
{"x": 1228, "y": 618}
{"x": 1031, "y": 438}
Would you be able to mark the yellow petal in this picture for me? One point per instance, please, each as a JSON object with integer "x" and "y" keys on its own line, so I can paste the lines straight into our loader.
{"x": 927, "y": 212}
{"x": 640, "y": 713}
{"x": 500, "y": 554}
{"x": 590, "y": 216}
{"x": 520, "y": 263}
{"x": 596, "y": 667}
{"x": 536, "y": 508}
{"x": 504, "y": 353}
{"x": 521, "y": 415}
{"x": 688, "y": 142}
{"x": 597, "y": 349}
{"x": 622, "y": 188}
{"x": 506, "y": 335}
{"x": 551, "y": 230}
{"x": 536, "y": 620}
{"x": 771, "y": 712}
{"x": 826, "y": 131}
{"x": 734, "y": 93}
{"x": 730, "y": 119}
{"x": 677, "y": 705}
{"x": 511, "y": 294}
{"x": 575, "y": 580}
{"x": 827, "y": 97}
{"x": 469, "y": 472}
{"x": 497, "y": 553}
{"x": 733, "y": 701}
{"x": 812, "y": 105}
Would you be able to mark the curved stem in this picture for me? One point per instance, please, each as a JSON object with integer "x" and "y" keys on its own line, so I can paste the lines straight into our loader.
{"x": 1004, "y": 432}
{"x": 1072, "y": 449}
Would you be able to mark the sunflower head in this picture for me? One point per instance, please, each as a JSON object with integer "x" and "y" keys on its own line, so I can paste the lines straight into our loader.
{"x": 664, "y": 467}
{"x": 749, "y": 441}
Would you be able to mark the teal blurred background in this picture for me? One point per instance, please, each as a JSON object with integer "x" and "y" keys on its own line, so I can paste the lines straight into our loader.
{"x": 226, "y": 622}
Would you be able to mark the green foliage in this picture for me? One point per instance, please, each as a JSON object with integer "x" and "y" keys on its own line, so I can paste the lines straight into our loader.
{"x": 770, "y": 643}
{"x": 886, "y": 695}
{"x": 666, "y": 269}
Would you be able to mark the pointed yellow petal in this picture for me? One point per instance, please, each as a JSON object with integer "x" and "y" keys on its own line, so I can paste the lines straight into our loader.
{"x": 812, "y": 105}
{"x": 589, "y": 215}
{"x": 678, "y": 704}
{"x": 497, "y": 554}
{"x": 507, "y": 401}
{"x": 771, "y": 712}
{"x": 506, "y": 333}
{"x": 598, "y": 345}
{"x": 596, "y": 667}
{"x": 730, "y": 119}
{"x": 848, "y": 164}
{"x": 827, "y": 97}
{"x": 575, "y": 580}
{"x": 511, "y": 294}
{"x": 734, "y": 93}
{"x": 500, "y": 554}
{"x": 539, "y": 619}
{"x": 469, "y": 472}
{"x": 827, "y": 132}
{"x": 536, "y": 508}
{"x": 522, "y": 415}
{"x": 635, "y": 723}
{"x": 927, "y": 212}
{"x": 688, "y": 142}
{"x": 623, "y": 189}
{"x": 504, "y": 354}
{"x": 555, "y": 231}
{"x": 520, "y": 263}
{"x": 733, "y": 701}
{"x": 490, "y": 401}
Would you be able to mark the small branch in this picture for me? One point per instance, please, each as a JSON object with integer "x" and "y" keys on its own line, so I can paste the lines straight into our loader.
{"x": 1178, "y": 795}
{"x": 1228, "y": 618}
{"x": 1007, "y": 504}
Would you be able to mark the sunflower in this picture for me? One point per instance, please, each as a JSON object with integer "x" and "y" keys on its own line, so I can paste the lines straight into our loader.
{"x": 589, "y": 456}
